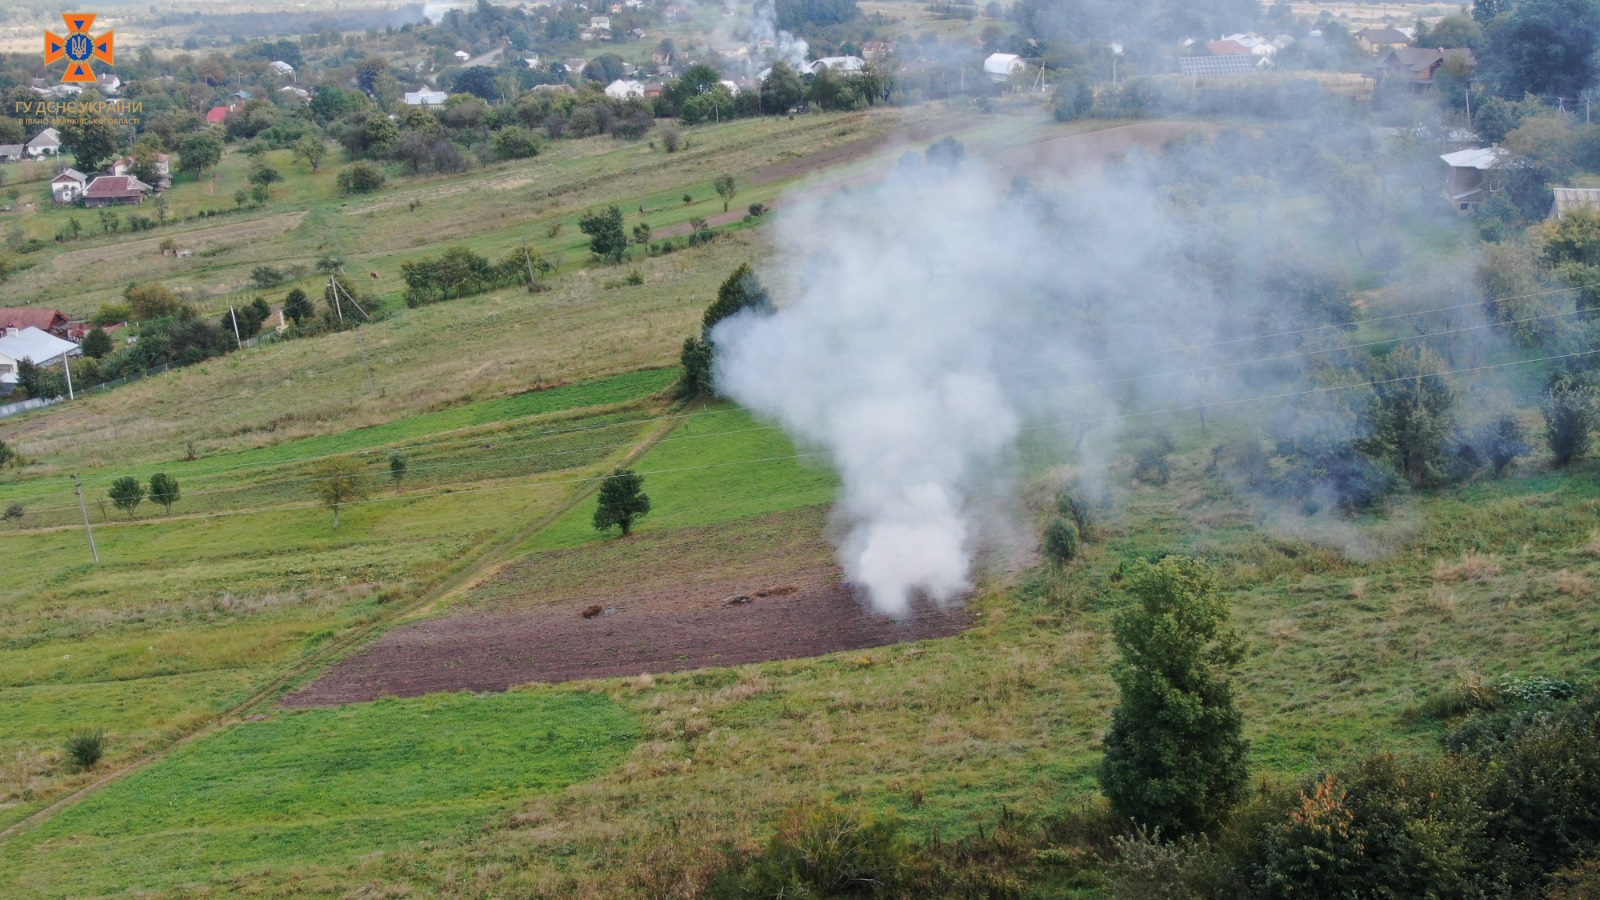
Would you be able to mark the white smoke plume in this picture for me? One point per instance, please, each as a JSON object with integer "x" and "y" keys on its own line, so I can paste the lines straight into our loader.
{"x": 762, "y": 25}
{"x": 935, "y": 319}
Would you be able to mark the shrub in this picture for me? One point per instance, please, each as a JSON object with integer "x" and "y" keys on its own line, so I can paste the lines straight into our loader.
{"x": 360, "y": 178}
{"x": 85, "y": 748}
{"x": 1061, "y": 541}
{"x": 635, "y": 278}
{"x": 1569, "y": 419}
{"x": 758, "y": 209}
{"x": 823, "y": 849}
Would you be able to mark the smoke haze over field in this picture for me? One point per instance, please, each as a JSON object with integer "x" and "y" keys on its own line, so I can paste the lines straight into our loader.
{"x": 936, "y": 318}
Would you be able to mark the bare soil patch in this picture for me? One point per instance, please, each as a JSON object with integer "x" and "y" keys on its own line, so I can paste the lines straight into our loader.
{"x": 804, "y": 613}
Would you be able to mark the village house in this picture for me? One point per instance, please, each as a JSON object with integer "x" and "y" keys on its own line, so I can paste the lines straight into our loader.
{"x": 46, "y": 143}
{"x": 109, "y": 83}
{"x": 50, "y": 321}
{"x": 600, "y": 23}
{"x": 625, "y": 90}
{"x": 116, "y": 190}
{"x": 301, "y": 94}
{"x": 280, "y": 67}
{"x": 163, "y": 169}
{"x": 1567, "y": 199}
{"x": 1374, "y": 39}
{"x": 575, "y": 64}
{"x": 33, "y": 345}
{"x": 425, "y": 97}
{"x": 218, "y": 114}
{"x": 1471, "y": 181}
{"x": 838, "y": 64}
{"x": 10, "y": 153}
{"x": 1416, "y": 66}
{"x": 999, "y": 66}
{"x": 463, "y": 55}
{"x": 67, "y": 187}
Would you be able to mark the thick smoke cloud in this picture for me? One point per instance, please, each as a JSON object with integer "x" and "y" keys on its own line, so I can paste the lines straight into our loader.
{"x": 936, "y": 318}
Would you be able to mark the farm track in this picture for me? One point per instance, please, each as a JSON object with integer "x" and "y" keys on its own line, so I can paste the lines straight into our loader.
{"x": 472, "y": 571}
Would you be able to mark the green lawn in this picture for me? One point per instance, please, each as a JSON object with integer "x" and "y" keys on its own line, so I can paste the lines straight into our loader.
{"x": 715, "y": 466}
{"x": 319, "y": 787}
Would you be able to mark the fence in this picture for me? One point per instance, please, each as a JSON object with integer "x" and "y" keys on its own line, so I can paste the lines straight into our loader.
{"x": 12, "y": 409}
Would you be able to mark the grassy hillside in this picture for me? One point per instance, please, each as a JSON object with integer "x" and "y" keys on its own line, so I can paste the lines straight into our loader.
{"x": 508, "y": 406}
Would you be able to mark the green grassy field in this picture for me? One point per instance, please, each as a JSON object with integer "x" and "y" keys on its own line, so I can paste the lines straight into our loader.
{"x": 323, "y": 786}
{"x": 508, "y": 406}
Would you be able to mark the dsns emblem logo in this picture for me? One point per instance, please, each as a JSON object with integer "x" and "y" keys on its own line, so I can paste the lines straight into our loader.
{"x": 78, "y": 47}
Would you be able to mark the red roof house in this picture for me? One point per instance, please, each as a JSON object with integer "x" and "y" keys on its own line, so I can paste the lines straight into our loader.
{"x": 53, "y": 321}
{"x": 218, "y": 114}
{"x": 108, "y": 190}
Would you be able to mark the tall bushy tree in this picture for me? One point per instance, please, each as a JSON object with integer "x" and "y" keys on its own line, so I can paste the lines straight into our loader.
{"x": 1570, "y": 414}
{"x": 622, "y": 500}
{"x": 1175, "y": 754}
{"x": 740, "y": 291}
{"x": 164, "y": 490}
{"x": 126, "y": 493}
{"x": 1410, "y": 413}
{"x": 607, "y": 239}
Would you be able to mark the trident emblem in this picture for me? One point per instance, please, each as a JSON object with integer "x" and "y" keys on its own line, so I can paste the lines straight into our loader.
{"x": 78, "y": 47}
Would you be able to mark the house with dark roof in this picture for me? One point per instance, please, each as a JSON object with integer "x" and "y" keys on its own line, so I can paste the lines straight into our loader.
{"x": 1416, "y": 66}
{"x": 10, "y": 153}
{"x": 1373, "y": 39}
{"x": 116, "y": 190}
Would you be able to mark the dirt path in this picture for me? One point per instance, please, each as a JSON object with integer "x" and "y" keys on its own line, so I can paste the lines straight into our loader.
{"x": 807, "y": 613}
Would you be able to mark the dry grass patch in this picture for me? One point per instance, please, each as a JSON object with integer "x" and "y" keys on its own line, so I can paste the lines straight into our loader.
{"x": 1473, "y": 566}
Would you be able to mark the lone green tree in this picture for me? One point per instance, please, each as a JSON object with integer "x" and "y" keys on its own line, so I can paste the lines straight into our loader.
{"x": 726, "y": 188}
{"x": 339, "y": 481}
{"x": 1175, "y": 754}
{"x": 164, "y": 490}
{"x": 126, "y": 493}
{"x": 1571, "y": 412}
{"x": 198, "y": 152}
{"x": 607, "y": 239}
{"x": 397, "y": 469}
{"x": 622, "y": 500}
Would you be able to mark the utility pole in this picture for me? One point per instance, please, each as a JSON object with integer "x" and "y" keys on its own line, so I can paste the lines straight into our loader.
{"x": 78, "y": 489}
{"x": 371, "y": 390}
{"x": 235, "y": 317}
{"x": 529, "y": 259}
{"x": 1468, "y": 92}
{"x": 360, "y": 341}
{"x": 333, "y": 286}
{"x": 68, "y": 370}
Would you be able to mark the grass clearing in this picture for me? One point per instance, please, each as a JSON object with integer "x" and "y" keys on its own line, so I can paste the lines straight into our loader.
{"x": 323, "y": 786}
